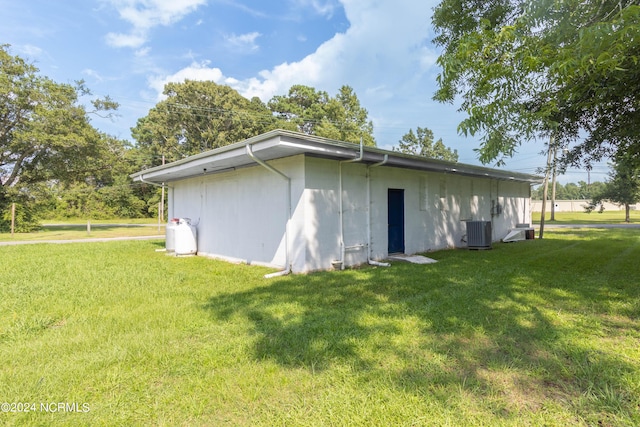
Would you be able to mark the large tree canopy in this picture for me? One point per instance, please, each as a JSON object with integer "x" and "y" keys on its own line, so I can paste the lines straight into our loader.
{"x": 47, "y": 141}
{"x": 198, "y": 116}
{"x": 45, "y": 132}
{"x": 316, "y": 113}
{"x": 202, "y": 115}
{"x": 525, "y": 69}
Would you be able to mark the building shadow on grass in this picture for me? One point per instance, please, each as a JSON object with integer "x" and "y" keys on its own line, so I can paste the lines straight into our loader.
{"x": 512, "y": 325}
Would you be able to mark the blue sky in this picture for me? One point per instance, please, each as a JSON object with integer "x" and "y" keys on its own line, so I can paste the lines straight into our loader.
{"x": 128, "y": 49}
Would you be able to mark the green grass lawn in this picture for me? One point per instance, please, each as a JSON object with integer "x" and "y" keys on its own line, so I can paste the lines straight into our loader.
{"x": 540, "y": 332}
{"x": 606, "y": 217}
{"x": 129, "y": 221}
{"x": 70, "y": 231}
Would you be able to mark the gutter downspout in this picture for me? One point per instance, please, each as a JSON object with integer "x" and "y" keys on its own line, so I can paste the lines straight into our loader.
{"x": 163, "y": 185}
{"x": 369, "y": 260}
{"x": 270, "y": 168}
{"x": 342, "y": 246}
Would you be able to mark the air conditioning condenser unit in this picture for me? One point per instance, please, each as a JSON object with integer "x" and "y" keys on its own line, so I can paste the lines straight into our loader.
{"x": 479, "y": 234}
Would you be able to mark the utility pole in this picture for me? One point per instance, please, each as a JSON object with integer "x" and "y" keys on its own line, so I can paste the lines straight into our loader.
{"x": 545, "y": 188}
{"x": 161, "y": 210}
{"x": 553, "y": 185}
{"x": 13, "y": 218}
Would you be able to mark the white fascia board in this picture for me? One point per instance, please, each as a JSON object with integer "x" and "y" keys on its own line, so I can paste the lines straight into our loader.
{"x": 281, "y": 143}
{"x": 234, "y": 154}
{"x": 341, "y": 150}
{"x": 432, "y": 165}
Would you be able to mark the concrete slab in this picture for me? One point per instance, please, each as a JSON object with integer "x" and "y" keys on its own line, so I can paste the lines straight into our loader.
{"x": 414, "y": 259}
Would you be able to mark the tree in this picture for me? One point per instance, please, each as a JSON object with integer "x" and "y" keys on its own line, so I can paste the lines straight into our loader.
{"x": 572, "y": 191}
{"x": 526, "y": 69}
{"x": 197, "y": 116}
{"x": 623, "y": 188}
{"x": 106, "y": 192}
{"x": 45, "y": 132}
{"x": 316, "y": 113}
{"x": 421, "y": 144}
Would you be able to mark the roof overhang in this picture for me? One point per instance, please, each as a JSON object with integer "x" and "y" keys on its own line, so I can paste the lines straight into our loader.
{"x": 280, "y": 143}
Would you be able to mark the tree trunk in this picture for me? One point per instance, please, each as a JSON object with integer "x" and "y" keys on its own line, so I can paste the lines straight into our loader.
{"x": 627, "y": 208}
{"x": 553, "y": 187}
{"x": 545, "y": 192}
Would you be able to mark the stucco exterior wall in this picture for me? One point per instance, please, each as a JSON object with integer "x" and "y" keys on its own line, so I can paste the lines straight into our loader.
{"x": 435, "y": 207}
{"x": 242, "y": 215}
{"x": 322, "y": 212}
{"x": 432, "y": 209}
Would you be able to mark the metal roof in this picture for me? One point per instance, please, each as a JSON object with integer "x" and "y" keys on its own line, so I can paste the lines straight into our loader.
{"x": 281, "y": 143}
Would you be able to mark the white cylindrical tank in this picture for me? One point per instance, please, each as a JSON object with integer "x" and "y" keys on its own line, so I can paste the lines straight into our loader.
{"x": 170, "y": 235}
{"x": 185, "y": 238}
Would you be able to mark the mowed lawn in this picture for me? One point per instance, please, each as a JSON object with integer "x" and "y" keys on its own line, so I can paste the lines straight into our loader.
{"x": 129, "y": 228}
{"x": 542, "y": 332}
{"x": 606, "y": 217}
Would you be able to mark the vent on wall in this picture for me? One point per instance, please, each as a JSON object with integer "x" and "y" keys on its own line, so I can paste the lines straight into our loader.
{"x": 479, "y": 234}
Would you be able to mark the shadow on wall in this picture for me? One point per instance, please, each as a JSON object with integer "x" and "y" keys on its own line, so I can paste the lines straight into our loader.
{"x": 322, "y": 228}
{"x": 473, "y": 319}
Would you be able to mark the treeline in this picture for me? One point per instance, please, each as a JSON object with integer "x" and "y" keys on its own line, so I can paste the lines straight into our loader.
{"x": 622, "y": 187}
{"x": 54, "y": 164}
{"x": 571, "y": 191}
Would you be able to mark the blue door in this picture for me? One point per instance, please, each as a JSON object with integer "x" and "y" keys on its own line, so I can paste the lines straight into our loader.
{"x": 395, "y": 202}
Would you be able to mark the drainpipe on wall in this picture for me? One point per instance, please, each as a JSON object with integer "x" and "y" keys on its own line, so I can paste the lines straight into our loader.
{"x": 369, "y": 260}
{"x": 270, "y": 168}
{"x": 342, "y": 246}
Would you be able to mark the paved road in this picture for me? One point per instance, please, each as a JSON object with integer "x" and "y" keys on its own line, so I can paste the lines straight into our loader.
{"x": 97, "y": 239}
{"x": 84, "y": 224}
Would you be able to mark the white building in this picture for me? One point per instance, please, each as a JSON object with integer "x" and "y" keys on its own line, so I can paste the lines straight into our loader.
{"x": 304, "y": 203}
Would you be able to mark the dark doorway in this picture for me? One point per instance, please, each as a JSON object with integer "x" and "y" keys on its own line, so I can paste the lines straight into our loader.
{"x": 396, "y": 220}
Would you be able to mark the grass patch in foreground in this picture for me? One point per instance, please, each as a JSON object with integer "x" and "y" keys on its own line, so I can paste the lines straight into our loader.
{"x": 541, "y": 332}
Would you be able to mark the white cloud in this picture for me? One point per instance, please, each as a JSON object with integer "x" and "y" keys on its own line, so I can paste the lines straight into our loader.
{"x": 386, "y": 55}
{"x": 144, "y": 15}
{"x": 30, "y": 50}
{"x": 321, "y": 7}
{"x": 141, "y": 53}
{"x": 243, "y": 42}
{"x": 196, "y": 71}
{"x": 126, "y": 40}
{"x": 386, "y": 45}
{"x": 93, "y": 73}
